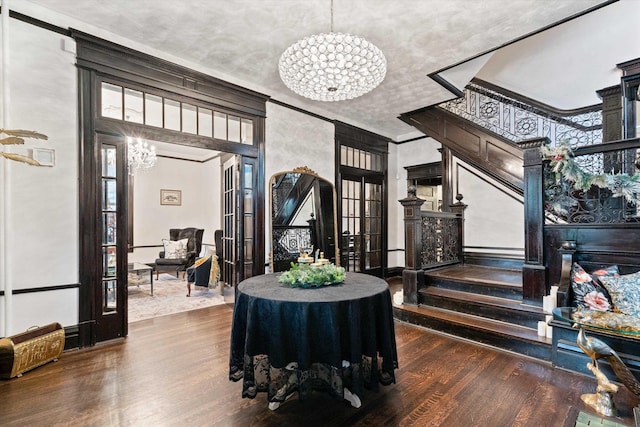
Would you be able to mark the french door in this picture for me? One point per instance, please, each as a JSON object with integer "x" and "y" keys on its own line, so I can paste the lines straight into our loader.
{"x": 362, "y": 224}
{"x": 239, "y": 219}
{"x": 111, "y": 291}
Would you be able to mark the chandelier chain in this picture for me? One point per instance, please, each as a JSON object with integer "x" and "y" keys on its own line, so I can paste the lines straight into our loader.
{"x": 332, "y": 16}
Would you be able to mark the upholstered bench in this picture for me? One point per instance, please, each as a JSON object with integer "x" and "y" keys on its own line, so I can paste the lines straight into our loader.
{"x": 608, "y": 295}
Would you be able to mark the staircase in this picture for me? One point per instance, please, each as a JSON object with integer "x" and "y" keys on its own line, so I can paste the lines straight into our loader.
{"x": 482, "y": 303}
{"x": 482, "y": 298}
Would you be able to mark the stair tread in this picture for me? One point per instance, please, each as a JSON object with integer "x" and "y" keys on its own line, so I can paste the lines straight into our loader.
{"x": 476, "y": 322}
{"x": 481, "y": 275}
{"x": 480, "y": 298}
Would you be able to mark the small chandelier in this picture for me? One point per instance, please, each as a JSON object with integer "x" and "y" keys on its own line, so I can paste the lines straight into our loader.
{"x": 140, "y": 155}
{"x": 332, "y": 66}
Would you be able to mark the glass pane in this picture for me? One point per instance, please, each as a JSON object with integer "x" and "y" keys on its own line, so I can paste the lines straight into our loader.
{"x": 368, "y": 161}
{"x": 246, "y": 132}
{"x": 248, "y": 250}
{"x": 133, "y": 106}
{"x": 108, "y": 161}
{"x": 109, "y": 194}
{"x": 111, "y": 99}
{"x": 248, "y": 225}
{"x": 363, "y": 160}
{"x": 349, "y": 156}
{"x": 110, "y": 303}
{"x": 171, "y": 114}
{"x": 205, "y": 122}
{"x": 248, "y": 201}
{"x": 109, "y": 228}
{"x": 248, "y": 176}
{"x": 234, "y": 129}
{"x": 219, "y": 125}
{"x": 189, "y": 124}
{"x": 153, "y": 110}
{"x": 343, "y": 155}
{"x": 109, "y": 261}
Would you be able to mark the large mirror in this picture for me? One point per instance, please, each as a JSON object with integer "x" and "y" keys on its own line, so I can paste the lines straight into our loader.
{"x": 303, "y": 218}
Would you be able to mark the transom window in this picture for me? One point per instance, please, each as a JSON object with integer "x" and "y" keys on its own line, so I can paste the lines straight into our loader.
{"x": 135, "y": 106}
{"x": 360, "y": 159}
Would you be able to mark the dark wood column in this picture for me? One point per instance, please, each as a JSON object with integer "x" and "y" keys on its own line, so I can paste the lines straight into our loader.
{"x": 412, "y": 276}
{"x": 611, "y": 113}
{"x": 534, "y": 277}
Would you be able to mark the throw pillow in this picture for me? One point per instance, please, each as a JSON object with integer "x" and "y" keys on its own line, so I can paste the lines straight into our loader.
{"x": 588, "y": 293}
{"x": 175, "y": 249}
{"x": 625, "y": 292}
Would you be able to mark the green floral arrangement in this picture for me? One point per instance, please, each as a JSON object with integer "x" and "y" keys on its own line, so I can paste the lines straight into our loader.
{"x": 563, "y": 165}
{"x": 305, "y": 276}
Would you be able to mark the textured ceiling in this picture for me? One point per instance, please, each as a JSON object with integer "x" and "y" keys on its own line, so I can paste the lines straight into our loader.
{"x": 242, "y": 40}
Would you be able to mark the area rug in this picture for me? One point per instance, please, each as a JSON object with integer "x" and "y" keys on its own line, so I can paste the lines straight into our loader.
{"x": 169, "y": 297}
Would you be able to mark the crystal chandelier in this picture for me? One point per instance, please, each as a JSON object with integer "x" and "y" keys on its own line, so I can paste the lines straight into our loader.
{"x": 332, "y": 66}
{"x": 140, "y": 155}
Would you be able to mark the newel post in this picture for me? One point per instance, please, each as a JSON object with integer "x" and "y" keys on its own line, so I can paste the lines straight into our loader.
{"x": 458, "y": 209}
{"x": 534, "y": 277}
{"x": 412, "y": 274}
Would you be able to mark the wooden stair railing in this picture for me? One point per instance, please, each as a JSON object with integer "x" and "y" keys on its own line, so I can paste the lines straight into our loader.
{"x": 491, "y": 153}
{"x": 432, "y": 239}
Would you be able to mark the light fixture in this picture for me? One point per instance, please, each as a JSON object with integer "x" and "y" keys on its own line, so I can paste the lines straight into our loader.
{"x": 140, "y": 155}
{"x": 332, "y": 66}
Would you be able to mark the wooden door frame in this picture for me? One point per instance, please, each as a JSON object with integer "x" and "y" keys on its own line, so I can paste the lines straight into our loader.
{"x": 99, "y": 60}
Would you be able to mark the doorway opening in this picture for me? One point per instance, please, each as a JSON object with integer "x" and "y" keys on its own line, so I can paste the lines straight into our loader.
{"x": 195, "y": 179}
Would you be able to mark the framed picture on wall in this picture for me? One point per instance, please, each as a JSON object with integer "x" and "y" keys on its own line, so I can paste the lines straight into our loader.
{"x": 171, "y": 197}
{"x": 44, "y": 156}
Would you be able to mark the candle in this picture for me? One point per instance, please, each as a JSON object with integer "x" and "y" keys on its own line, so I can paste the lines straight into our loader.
{"x": 549, "y": 332}
{"x": 554, "y": 296}
{"x": 542, "y": 328}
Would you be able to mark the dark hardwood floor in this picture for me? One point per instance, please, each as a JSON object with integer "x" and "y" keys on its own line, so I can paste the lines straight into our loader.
{"x": 172, "y": 371}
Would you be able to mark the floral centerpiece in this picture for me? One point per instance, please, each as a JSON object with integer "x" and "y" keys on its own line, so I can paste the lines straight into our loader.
{"x": 306, "y": 276}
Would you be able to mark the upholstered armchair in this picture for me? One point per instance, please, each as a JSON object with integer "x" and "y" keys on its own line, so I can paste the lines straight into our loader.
{"x": 180, "y": 250}
{"x": 205, "y": 272}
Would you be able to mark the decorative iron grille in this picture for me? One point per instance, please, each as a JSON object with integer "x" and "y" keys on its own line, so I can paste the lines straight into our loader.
{"x": 287, "y": 242}
{"x": 565, "y": 204}
{"x": 440, "y": 239}
{"x": 281, "y": 189}
{"x": 517, "y": 121}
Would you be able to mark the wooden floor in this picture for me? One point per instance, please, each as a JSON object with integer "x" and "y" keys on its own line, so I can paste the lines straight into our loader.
{"x": 172, "y": 371}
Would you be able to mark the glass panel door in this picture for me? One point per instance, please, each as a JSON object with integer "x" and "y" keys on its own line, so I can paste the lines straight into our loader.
{"x": 228, "y": 223}
{"x": 248, "y": 215}
{"x": 351, "y": 225}
{"x": 372, "y": 227}
{"x": 111, "y": 319}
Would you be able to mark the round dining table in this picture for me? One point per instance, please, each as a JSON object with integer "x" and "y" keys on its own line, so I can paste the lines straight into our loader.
{"x": 338, "y": 338}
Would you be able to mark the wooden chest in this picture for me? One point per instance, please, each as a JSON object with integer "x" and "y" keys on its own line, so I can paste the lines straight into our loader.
{"x": 25, "y": 351}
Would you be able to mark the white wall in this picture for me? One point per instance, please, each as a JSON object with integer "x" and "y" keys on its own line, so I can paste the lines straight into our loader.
{"x": 41, "y": 203}
{"x": 494, "y": 217}
{"x": 200, "y": 184}
{"x": 602, "y": 36}
{"x": 408, "y": 154}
